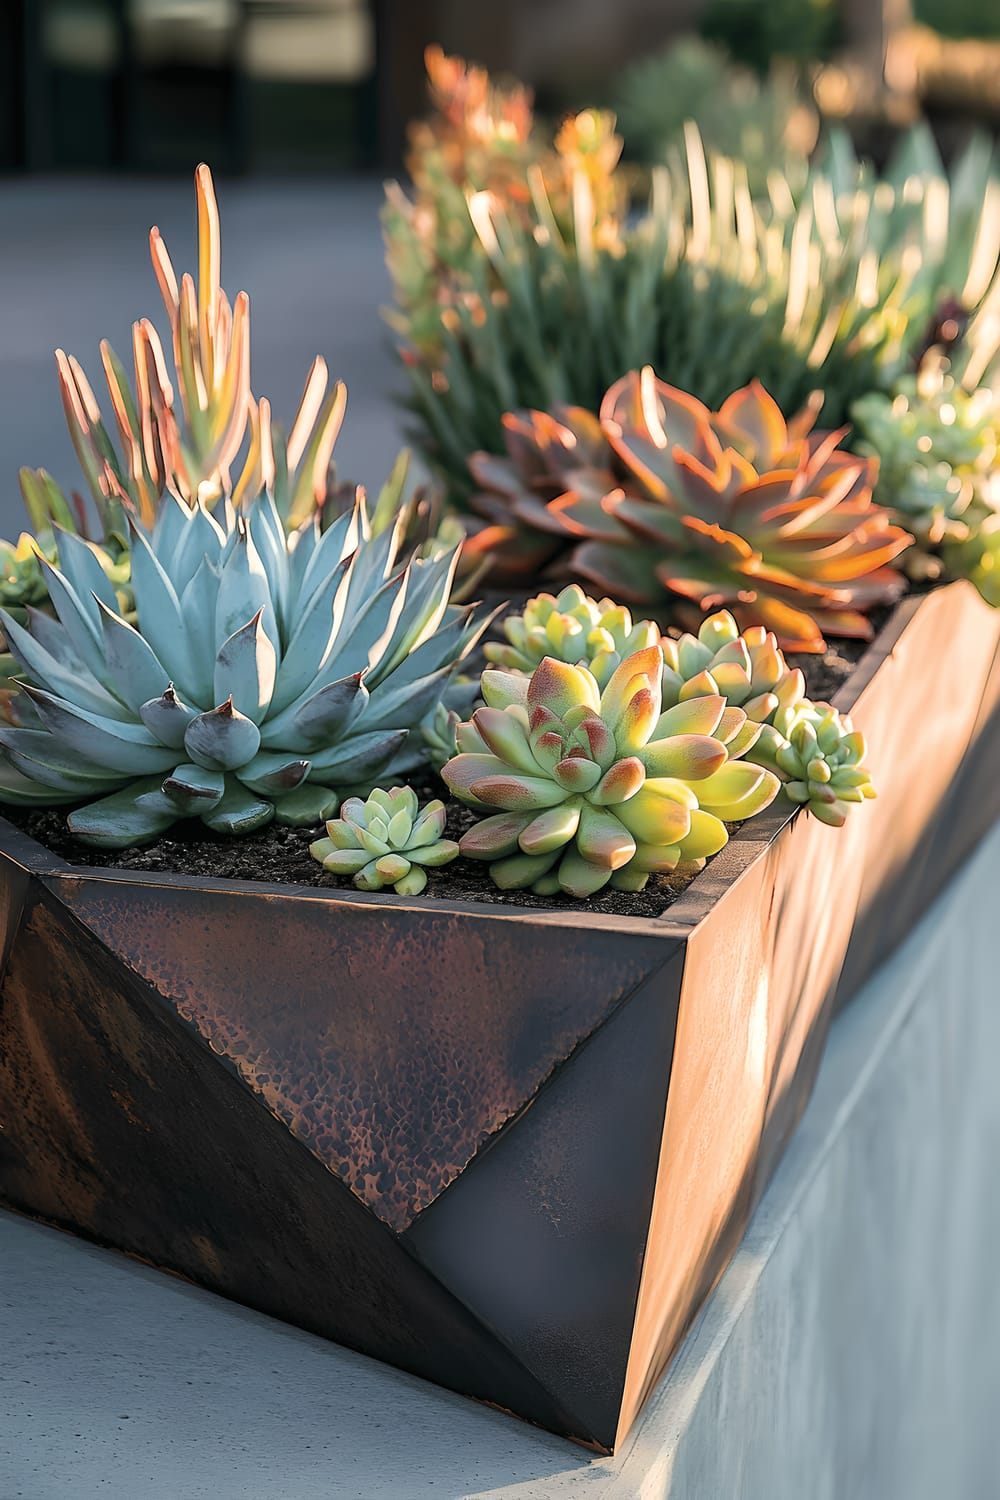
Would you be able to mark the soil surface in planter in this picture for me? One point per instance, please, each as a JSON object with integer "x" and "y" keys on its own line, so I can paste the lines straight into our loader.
{"x": 277, "y": 855}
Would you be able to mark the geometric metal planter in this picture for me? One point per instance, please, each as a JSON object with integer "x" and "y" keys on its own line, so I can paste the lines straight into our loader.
{"x": 508, "y": 1150}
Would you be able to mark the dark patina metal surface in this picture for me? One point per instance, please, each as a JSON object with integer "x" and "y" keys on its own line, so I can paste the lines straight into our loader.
{"x": 511, "y": 1151}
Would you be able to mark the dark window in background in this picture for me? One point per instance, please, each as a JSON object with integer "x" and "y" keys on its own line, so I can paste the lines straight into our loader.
{"x": 150, "y": 85}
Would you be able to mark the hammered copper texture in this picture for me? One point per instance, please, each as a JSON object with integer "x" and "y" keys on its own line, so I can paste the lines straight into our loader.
{"x": 569, "y": 1116}
{"x": 392, "y": 1060}
{"x": 544, "y": 1236}
{"x": 759, "y": 985}
{"x": 119, "y": 1123}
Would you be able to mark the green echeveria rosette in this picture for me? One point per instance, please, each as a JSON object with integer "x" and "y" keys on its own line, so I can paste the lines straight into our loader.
{"x": 748, "y": 668}
{"x": 937, "y": 447}
{"x": 976, "y": 556}
{"x": 571, "y": 627}
{"x": 813, "y": 748}
{"x": 588, "y": 787}
{"x": 819, "y": 757}
{"x": 386, "y": 839}
{"x": 268, "y": 674}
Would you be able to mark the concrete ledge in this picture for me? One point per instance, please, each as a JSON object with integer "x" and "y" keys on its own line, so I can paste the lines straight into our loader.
{"x": 848, "y": 1354}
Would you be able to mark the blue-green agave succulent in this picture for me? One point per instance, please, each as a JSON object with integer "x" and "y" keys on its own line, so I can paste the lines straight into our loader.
{"x": 268, "y": 673}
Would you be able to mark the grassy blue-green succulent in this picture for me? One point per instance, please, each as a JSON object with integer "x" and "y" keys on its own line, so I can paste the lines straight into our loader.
{"x": 269, "y": 673}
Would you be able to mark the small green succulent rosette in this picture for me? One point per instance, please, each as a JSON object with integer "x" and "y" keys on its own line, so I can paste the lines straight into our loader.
{"x": 571, "y": 627}
{"x": 588, "y": 787}
{"x": 386, "y": 840}
{"x": 937, "y": 447}
{"x": 813, "y": 748}
{"x": 22, "y": 581}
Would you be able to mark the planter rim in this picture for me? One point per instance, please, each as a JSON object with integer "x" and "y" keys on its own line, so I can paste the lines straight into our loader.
{"x": 677, "y": 920}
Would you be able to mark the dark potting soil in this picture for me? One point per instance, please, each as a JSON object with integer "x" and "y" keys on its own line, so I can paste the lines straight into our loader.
{"x": 280, "y": 856}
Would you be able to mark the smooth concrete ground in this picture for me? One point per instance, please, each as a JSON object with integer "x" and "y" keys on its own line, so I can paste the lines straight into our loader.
{"x": 74, "y": 268}
{"x": 849, "y": 1352}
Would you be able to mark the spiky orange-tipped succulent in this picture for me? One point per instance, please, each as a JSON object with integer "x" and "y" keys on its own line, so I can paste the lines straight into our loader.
{"x": 470, "y": 110}
{"x": 586, "y": 788}
{"x": 685, "y": 510}
{"x": 181, "y": 429}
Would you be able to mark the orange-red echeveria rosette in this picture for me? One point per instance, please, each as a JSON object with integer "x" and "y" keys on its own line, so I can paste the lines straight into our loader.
{"x": 687, "y": 511}
{"x": 581, "y": 788}
{"x": 552, "y": 460}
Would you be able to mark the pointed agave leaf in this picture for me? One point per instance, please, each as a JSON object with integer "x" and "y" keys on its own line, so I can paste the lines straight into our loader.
{"x": 319, "y": 554}
{"x": 238, "y": 811}
{"x": 200, "y": 537}
{"x": 307, "y": 662}
{"x": 306, "y": 805}
{"x": 319, "y": 720}
{"x": 269, "y": 539}
{"x": 22, "y": 790}
{"x": 107, "y": 743}
{"x": 79, "y": 563}
{"x": 193, "y": 789}
{"x": 38, "y": 755}
{"x": 198, "y": 603}
{"x": 222, "y": 739}
{"x": 79, "y": 617}
{"x": 161, "y": 620}
{"x": 270, "y": 772}
{"x": 357, "y": 758}
{"x": 359, "y": 639}
{"x": 167, "y": 718}
{"x": 243, "y": 590}
{"x": 406, "y": 702}
{"x": 132, "y": 668}
{"x": 67, "y": 678}
{"x": 246, "y": 668}
{"x": 428, "y": 589}
{"x": 136, "y": 815}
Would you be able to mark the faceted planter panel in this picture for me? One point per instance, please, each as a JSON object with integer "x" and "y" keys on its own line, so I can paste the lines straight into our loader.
{"x": 508, "y": 1150}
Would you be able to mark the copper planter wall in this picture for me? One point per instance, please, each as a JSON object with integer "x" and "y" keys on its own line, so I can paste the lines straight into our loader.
{"x": 511, "y": 1151}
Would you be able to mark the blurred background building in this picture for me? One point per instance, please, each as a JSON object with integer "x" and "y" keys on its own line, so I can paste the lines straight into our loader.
{"x": 301, "y": 106}
{"x": 301, "y": 85}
